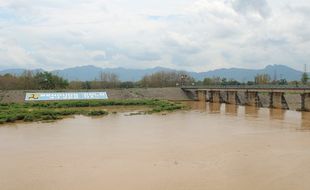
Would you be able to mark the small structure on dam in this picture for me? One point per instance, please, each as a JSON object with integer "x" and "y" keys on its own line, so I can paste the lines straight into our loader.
{"x": 274, "y": 96}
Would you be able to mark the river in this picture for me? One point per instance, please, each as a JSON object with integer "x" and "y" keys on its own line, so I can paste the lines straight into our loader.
{"x": 212, "y": 146}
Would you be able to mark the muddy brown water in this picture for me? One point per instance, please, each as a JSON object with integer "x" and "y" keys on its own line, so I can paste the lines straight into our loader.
{"x": 212, "y": 146}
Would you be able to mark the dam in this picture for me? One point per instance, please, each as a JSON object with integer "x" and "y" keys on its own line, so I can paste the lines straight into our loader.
{"x": 277, "y": 97}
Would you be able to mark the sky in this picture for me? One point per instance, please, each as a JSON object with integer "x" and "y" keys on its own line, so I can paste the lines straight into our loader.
{"x": 193, "y": 35}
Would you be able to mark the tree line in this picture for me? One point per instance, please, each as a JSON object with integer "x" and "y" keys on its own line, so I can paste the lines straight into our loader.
{"x": 49, "y": 81}
{"x": 259, "y": 79}
{"x": 31, "y": 81}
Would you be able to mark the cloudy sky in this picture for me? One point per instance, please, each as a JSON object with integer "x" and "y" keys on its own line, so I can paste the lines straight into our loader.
{"x": 196, "y": 35}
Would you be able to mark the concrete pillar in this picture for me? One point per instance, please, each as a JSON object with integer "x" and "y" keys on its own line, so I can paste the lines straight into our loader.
{"x": 202, "y": 95}
{"x": 305, "y": 102}
{"x": 252, "y": 98}
{"x": 276, "y": 100}
{"x": 232, "y": 97}
{"x": 215, "y": 96}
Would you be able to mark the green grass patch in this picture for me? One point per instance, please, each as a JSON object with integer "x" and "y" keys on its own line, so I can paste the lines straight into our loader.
{"x": 97, "y": 113}
{"x": 42, "y": 111}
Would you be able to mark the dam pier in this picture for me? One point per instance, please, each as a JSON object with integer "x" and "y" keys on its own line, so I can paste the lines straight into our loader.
{"x": 272, "y": 97}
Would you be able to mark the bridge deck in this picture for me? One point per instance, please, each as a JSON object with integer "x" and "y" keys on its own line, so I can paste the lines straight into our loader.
{"x": 243, "y": 88}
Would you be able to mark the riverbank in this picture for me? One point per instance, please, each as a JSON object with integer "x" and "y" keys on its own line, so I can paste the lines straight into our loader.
{"x": 47, "y": 111}
{"x": 174, "y": 94}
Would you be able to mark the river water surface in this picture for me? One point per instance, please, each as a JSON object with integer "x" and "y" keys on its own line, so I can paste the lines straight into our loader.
{"x": 211, "y": 147}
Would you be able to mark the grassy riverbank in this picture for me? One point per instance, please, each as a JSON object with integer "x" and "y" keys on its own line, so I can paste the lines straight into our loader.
{"x": 40, "y": 111}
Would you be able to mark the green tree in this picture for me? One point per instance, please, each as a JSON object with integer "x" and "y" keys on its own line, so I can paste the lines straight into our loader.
{"x": 304, "y": 78}
{"x": 166, "y": 79}
{"x": 86, "y": 85}
{"x": 232, "y": 82}
{"x": 127, "y": 84}
{"x": 207, "y": 81}
{"x": 283, "y": 82}
{"x": 49, "y": 81}
{"x": 224, "y": 81}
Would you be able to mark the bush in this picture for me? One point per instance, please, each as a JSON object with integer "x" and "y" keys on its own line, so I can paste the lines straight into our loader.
{"x": 97, "y": 113}
{"x": 29, "y": 118}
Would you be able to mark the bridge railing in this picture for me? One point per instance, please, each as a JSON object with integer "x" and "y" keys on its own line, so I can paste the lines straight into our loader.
{"x": 259, "y": 87}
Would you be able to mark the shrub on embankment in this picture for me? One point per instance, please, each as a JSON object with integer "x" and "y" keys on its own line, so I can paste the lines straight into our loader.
{"x": 39, "y": 111}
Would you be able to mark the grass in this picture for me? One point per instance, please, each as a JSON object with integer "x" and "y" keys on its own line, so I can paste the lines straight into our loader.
{"x": 97, "y": 113}
{"x": 40, "y": 111}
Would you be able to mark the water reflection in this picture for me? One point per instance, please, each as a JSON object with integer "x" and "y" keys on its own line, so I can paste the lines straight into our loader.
{"x": 251, "y": 111}
{"x": 277, "y": 114}
{"x": 305, "y": 121}
{"x": 214, "y": 107}
{"x": 201, "y": 106}
{"x": 287, "y": 118}
{"x": 231, "y": 109}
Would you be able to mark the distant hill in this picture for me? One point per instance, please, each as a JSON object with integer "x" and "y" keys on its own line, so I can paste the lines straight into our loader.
{"x": 243, "y": 75}
{"x": 18, "y": 72}
{"x": 90, "y": 72}
{"x": 83, "y": 73}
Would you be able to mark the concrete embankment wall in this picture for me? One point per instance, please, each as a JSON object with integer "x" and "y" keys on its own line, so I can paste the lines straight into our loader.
{"x": 135, "y": 93}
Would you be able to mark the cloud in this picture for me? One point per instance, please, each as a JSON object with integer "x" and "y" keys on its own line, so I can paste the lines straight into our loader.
{"x": 193, "y": 35}
{"x": 251, "y": 7}
{"x": 10, "y": 51}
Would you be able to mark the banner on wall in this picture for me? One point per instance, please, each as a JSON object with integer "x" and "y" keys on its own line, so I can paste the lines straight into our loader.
{"x": 66, "y": 96}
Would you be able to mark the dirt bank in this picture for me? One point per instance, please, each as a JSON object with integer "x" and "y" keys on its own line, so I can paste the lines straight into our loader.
{"x": 135, "y": 93}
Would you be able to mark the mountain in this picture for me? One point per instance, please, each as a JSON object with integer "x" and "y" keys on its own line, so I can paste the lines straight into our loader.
{"x": 134, "y": 74}
{"x": 18, "y": 72}
{"x": 87, "y": 73}
{"x": 243, "y": 75}
{"x": 83, "y": 73}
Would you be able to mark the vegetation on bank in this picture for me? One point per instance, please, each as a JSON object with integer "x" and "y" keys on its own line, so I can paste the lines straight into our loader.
{"x": 40, "y": 111}
{"x": 35, "y": 81}
{"x": 48, "y": 81}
